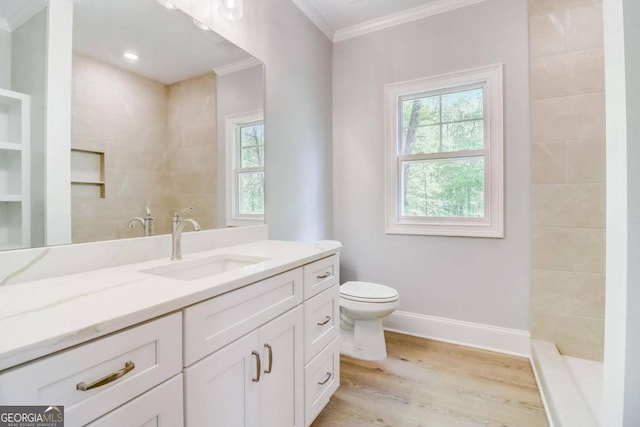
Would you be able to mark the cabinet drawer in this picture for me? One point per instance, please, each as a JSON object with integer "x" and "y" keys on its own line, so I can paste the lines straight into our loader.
{"x": 215, "y": 323}
{"x": 321, "y": 321}
{"x": 321, "y": 275}
{"x": 149, "y": 354}
{"x": 322, "y": 378}
{"x": 161, "y": 406}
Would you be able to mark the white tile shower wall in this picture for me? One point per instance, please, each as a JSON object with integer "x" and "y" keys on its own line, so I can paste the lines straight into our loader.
{"x": 159, "y": 143}
{"x": 568, "y": 175}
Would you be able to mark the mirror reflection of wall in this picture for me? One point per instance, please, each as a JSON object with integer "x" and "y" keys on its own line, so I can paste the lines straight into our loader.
{"x": 146, "y": 133}
{"x": 22, "y": 83}
{"x": 159, "y": 147}
{"x": 144, "y": 102}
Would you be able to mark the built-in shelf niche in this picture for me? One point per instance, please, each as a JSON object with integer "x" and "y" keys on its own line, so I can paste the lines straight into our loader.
{"x": 87, "y": 173}
{"x": 10, "y": 173}
{"x": 10, "y": 117}
{"x": 11, "y": 235}
{"x": 15, "y": 170}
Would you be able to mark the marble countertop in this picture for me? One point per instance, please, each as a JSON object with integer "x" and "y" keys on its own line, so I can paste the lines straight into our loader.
{"x": 40, "y": 317}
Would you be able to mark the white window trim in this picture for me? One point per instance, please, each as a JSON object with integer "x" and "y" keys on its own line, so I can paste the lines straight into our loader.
{"x": 492, "y": 225}
{"x": 233, "y": 219}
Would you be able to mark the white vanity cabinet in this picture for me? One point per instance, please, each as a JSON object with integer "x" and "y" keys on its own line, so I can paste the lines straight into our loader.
{"x": 261, "y": 354}
{"x": 159, "y": 407}
{"x": 321, "y": 334}
{"x": 257, "y": 379}
{"x": 276, "y": 374}
{"x": 95, "y": 378}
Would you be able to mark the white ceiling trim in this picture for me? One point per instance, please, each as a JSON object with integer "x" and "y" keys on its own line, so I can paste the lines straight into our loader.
{"x": 28, "y": 11}
{"x": 430, "y": 9}
{"x": 236, "y": 66}
{"x": 403, "y": 17}
{"x": 315, "y": 17}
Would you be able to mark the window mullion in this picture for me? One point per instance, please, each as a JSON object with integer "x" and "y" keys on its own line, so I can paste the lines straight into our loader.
{"x": 251, "y": 169}
{"x": 445, "y": 155}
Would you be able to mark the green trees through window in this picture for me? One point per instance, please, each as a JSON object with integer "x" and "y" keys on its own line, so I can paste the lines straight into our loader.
{"x": 441, "y": 153}
{"x": 250, "y": 168}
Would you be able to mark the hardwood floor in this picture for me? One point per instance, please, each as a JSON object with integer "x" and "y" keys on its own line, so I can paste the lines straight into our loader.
{"x": 430, "y": 383}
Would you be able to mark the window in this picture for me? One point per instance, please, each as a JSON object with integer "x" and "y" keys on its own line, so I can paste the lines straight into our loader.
{"x": 245, "y": 165}
{"x": 444, "y": 155}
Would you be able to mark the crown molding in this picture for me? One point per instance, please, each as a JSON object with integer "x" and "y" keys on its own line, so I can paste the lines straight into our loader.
{"x": 28, "y": 11}
{"x": 403, "y": 17}
{"x": 315, "y": 17}
{"x": 243, "y": 64}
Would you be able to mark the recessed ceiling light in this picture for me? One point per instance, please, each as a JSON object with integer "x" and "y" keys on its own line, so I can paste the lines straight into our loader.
{"x": 200, "y": 25}
{"x": 130, "y": 55}
{"x": 231, "y": 9}
{"x": 167, "y": 4}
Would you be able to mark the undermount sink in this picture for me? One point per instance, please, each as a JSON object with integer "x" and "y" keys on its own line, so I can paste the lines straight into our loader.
{"x": 203, "y": 267}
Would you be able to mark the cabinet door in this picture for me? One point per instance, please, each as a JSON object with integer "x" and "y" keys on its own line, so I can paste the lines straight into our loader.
{"x": 220, "y": 390}
{"x": 281, "y": 384}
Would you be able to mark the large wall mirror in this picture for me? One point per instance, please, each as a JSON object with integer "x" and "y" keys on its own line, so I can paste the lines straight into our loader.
{"x": 165, "y": 115}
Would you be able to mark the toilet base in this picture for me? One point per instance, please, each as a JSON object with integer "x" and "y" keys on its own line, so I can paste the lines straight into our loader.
{"x": 363, "y": 339}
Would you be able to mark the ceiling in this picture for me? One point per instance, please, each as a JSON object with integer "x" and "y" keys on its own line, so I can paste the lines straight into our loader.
{"x": 14, "y": 13}
{"x": 170, "y": 47}
{"x": 342, "y": 19}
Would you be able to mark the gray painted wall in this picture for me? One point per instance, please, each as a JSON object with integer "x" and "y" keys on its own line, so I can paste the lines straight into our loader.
{"x": 297, "y": 57}
{"x": 471, "y": 279}
{"x": 5, "y": 59}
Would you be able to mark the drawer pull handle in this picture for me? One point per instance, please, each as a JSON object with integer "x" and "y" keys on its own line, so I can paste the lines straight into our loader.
{"x": 258, "y": 368}
{"x": 268, "y": 347}
{"x": 324, "y": 275}
{"x": 128, "y": 367}
{"x": 325, "y": 321}
{"x": 326, "y": 379}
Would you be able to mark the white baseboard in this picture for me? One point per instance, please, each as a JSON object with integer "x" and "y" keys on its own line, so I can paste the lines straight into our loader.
{"x": 486, "y": 337}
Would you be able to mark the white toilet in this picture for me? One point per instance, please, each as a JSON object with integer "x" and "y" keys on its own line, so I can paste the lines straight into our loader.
{"x": 363, "y": 305}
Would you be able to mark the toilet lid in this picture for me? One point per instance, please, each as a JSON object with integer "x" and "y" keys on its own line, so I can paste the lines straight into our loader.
{"x": 368, "y": 292}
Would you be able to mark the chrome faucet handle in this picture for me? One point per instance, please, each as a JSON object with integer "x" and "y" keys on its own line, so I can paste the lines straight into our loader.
{"x": 134, "y": 220}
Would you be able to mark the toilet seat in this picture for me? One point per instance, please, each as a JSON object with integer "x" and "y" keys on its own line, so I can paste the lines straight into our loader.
{"x": 368, "y": 292}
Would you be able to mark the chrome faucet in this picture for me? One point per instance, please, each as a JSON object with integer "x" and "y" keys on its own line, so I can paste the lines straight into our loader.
{"x": 178, "y": 226}
{"x": 146, "y": 222}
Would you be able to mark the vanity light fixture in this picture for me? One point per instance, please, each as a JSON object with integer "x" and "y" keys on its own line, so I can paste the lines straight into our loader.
{"x": 200, "y": 25}
{"x": 167, "y": 4}
{"x": 231, "y": 9}
{"x": 131, "y": 56}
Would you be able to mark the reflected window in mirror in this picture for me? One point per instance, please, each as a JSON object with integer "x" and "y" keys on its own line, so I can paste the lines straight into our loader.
{"x": 245, "y": 146}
